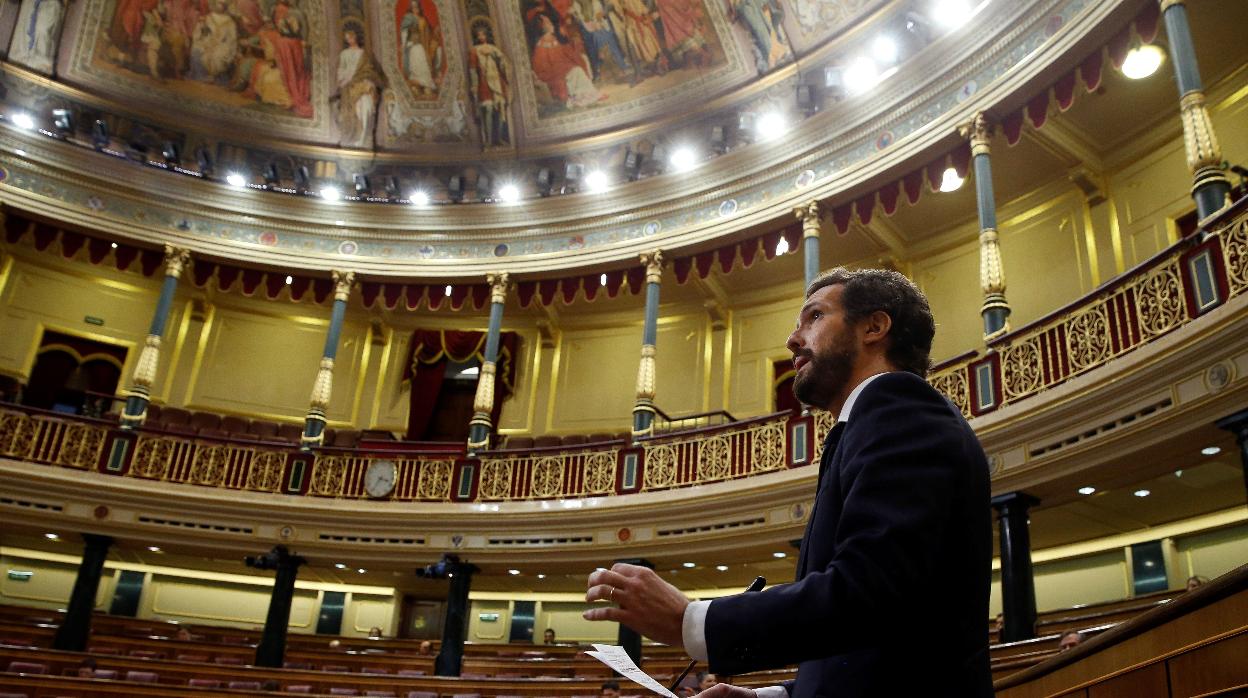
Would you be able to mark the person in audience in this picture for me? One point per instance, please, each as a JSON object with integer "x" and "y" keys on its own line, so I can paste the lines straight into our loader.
{"x": 1070, "y": 640}
{"x": 183, "y": 634}
{"x": 374, "y": 633}
{"x": 426, "y": 648}
{"x": 86, "y": 669}
{"x": 706, "y": 679}
{"x": 335, "y": 644}
{"x": 271, "y": 685}
{"x": 900, "y": 532}
{"x": 548, "y": 637}
{"x": 1193, "y": 582}
{"x": 609, "y": 689}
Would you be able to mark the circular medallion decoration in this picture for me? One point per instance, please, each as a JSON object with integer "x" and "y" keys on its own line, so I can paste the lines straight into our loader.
{"x": 884, "y": 140}
{"x": 501, "y": 249}
{"x": 287, "y": 533}
{"x": 805, "y": 179}
{"x": 798, "y": 511}
{"x": 651, "y": 228}
{"x": 268, "y": 238}
{"x": 425, "y": 251}
{"x": 457, "y": 540}
{"x": 4, "y": 174}
{"x": 95, "y": 203}
{"x": 348, "y": 247}
{"x": 967, "y": 90}
{"x": 624, "y": 535}
{"x": 184, "y": 224}
{"x": 1219, "y": 375}
{"x": 576, "y": 242}
{"x": 728, "y": 208}
{"x": 101, "y": 512}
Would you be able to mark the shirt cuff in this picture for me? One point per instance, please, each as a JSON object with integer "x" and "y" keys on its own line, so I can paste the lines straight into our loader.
{"x": 771, "y": 692}
{"x": 693, "y": 630}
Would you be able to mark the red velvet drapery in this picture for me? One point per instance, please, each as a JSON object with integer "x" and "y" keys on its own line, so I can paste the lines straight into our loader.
{"x": 426, "y": 367}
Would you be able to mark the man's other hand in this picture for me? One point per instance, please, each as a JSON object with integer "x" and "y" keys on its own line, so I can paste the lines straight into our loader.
{"x": 643, "y": 602}
{"x": 723, "y": 690}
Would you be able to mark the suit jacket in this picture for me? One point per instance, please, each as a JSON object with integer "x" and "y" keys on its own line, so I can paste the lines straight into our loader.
{"x": 891, "y": 595}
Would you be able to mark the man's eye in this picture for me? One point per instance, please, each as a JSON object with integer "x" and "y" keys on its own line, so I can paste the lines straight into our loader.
{"x": 816, "y": 315}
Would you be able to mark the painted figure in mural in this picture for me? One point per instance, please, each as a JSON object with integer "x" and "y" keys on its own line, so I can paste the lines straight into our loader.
{"x": 126, "y": 30}
{"x": 359, "y": 83}
{"x": 490, "y": 84}
{"x": 179, "y": 20}
{"x": 598, "y": 33}
{"x": 641, "y": 37}
{"x": 287, "y": 36}
{"x": 38, "y": 33}
{"x": 683, "y": 40}
{"x": 763, "y": 19}
{"x": 563, "y": 69}
{"x": 214, "y": 44}
{"x": 422, "y": 50}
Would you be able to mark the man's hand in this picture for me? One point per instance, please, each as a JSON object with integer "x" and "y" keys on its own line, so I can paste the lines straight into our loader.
{"x": 643, "y": 602}
{"x": 723, "y": 690}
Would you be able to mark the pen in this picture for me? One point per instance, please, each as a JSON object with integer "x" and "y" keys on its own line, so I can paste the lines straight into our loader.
{"x": 756, "y": 585}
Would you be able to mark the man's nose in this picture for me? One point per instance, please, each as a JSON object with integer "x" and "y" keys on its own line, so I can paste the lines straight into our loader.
{"x": 795, "y": 341}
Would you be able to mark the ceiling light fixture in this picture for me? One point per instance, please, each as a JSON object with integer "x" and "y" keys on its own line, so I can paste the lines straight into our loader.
{"x": 23, "y": 120}
{"x": 20, "y": 153}
{"x": 782, "y": 247}
{"x": 779, "y": 555}
{"x": 289, "y": 279}
{"x": 951, "y": 14}
{"x": 509, "y": 194}
{"x": 1143, "y": 61}
{"x": 51, "y": 536}
{"x": 1210, "y": 450}
{"x": 602, "y": 280}
{"x": 1087, "y": 490}
{"x": 419, "y": 198}
{"x": 154, "y": 548}
{"x": 683, "y": 159}
{"x": 513, "y": 572}
{"x": 339, "y": 565}
{"x": 330, "y": 193}
{"x": 951, "y": 181}
{"x": 596, "y": 181}
{"x": 541, "y": 576}
{"x": 235, "y": 179}
{"x": 112, "y": 245}
{"x": 688, "y": 565}
{"x": 722, "y": 568}
{"x": 860, "y": 76}
{"x": 884, "y": 49}
{"x": 769, "y": 125}
{"x": 447, "y": 292}
{"x": 361, "y": 570}
{"x": 1142, "y": 493}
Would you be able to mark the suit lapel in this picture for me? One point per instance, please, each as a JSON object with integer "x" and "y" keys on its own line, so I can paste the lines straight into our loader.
{"x": 830, "y": 443}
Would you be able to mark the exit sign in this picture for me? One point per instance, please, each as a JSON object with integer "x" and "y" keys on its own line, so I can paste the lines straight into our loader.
{"x": 93, "y": 320}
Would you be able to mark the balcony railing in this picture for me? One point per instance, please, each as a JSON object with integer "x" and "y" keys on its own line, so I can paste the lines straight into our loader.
{"x": 1163, "y": 294}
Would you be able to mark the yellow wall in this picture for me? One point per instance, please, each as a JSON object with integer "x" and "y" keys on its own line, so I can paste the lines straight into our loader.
{"x": 1213, "y": 553}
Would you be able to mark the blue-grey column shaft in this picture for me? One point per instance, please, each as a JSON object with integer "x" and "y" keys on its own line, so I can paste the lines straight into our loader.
{"x": 643, "y": 409}
{"x": 482, "y": 426}
{"x": 322, "y": 390}
{"x": 140, "y": 391}
{"x": 809, "y": 216}
{"x": 995, "y": 310}
{"x": 1210, "y": 186}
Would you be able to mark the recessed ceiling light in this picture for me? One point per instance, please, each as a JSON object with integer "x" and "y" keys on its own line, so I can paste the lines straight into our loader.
{"x": 1087, "y": 490}
{"x": 541, "y": 576}
{"x": 779, "y": 555}
{"x": 951, "y": 14}
{"x": 340, "y": 566}
{"x": 235, "y": 179}
{"x": 688, "y": 564}
{"x": 509, "y": 194}
{"x": 683, "y": 159}
{"x": 361, "y": 570}
{"x": 154, "y": 548}
{"x": 1143, "y": 61}
{"x": 331, "y": 193}
{"x": 884, "y": 49}
{"x": 23, "y": 120}
{"x": 596, "y": 181}
{"x": 722, "y": 568}
{"x": 113, "y": 245}
{"x": 419, "y": 198}
{"x": 1142, "y": 493}
{"x": 1211, "y": 450}
{"x": 513, "y": 572}
{"x": 51, "y": 536}
{"x": 769, "y": 125}
{"x": 951, "y": 181}
{"x": 1178, "y": 473}
{"x": 861, "y": 75}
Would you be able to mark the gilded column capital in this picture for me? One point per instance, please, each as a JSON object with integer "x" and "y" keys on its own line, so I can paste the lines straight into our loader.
{"x": 810, "y": 215}
{"x": 1198, "y": 138}
{"x": 343, "y": 280}
{"x": 322, "y": 389}
{"x": 653, "y": 262}
{"x": 646, "y": 374}
{"x": 499, "y": 284}
{"x": 1167, "y": 4}
{"x": 176, "y": 259}
{"x": 979, "y": 132}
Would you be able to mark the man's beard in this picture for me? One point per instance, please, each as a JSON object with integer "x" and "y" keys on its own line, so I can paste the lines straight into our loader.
{"x": 826, "y": 375}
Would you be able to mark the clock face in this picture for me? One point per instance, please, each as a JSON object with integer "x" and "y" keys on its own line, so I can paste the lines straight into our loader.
{"x": 379, "y": 478}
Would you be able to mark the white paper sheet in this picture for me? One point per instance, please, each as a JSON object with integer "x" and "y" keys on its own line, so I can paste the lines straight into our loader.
{"x": 616, "y": 658}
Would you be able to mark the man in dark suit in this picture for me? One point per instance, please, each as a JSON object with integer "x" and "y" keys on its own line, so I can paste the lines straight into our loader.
{"x": 891, "y": 595}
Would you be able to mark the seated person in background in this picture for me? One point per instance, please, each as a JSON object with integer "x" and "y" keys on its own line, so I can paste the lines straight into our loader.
{"x": 335, "y": 644}
{"x": 1193, "y": 582}
{"x": 1070, "y": 640}
{"x": 183, "y": 634}
{"x": 86, "y": 670}
{"x": 374, "y": 633}
{"x": 705, "y": 680}
{"x": 426, "y": 648}
{"x": 610, "y": 689}
{"x": 271, "y": 685}
{"x": 548, "y": 637}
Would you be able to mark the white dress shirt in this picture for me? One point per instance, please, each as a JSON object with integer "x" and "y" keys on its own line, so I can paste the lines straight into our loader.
{"x": 693, "y": 625}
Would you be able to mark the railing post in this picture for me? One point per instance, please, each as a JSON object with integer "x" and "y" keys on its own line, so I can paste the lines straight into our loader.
{"x": 322, "y": 389}
{"x": 643, "y": 411}
{"x": 140, "y": 392}
{"x": 995, "y": 310}
{"x": 481, "y": 426}
{"x": 1210, "y": 187}
{"x": 810, "y": 215}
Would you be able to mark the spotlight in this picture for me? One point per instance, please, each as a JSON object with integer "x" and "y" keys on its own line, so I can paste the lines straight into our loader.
{"x": 203, "y": 158}
{"x": 572, "y": 174}
{"x": 136, "y": 151}
{"x": 807, "y": 99}
{"x": 683, "y": 159}
{"x": 596, "y": 181}
{"x": 419, "y": 198}
{"x": 951, "y": 14}
{"x": 632, "y": 164}
{"x": 919, "y": 26}
{"x": 1143, "y": 61}
{"x": 23, "y": 120}
{"x": 235, "y": 179}
{"x": 455, "y": 188}
{"x": 302, "y": 179}
{"x": 509, "y": 194}
{"x": 884, "y": 49}
{"x": 745, "y": 123}
{"x": 392, "y": 187}
{"x": 951, "y": 181}
{"x": 860, "y": 76}
{"x": 271, "y": 177}
{"x": 171, "y": 153}
{"x": 330, "y": 193}
{"x": 99, "y": 134}
{"x": 544, "y": 181}
{"x": 362, "y": 187}
{"x": 63, "y": 120}
{"x": 769, "y": 125}
{"x": 719, "y": 139}
{"x": 484, "y": 187}
{"x": 834, "y": 78}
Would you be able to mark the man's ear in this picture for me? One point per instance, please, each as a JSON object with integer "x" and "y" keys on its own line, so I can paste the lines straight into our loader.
{"x": 875, "y": 327}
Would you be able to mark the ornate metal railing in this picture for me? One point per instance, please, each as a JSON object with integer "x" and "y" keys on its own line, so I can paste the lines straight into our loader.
{"x": 1159, "y": 296}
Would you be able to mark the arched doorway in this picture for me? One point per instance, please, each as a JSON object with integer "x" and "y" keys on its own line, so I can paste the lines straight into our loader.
{"x": 74, "y": 375}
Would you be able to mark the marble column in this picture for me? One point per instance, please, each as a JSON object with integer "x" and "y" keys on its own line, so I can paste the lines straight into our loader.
{"x": 1018, "y": 588}
{"x": 140, "y": 391}
{"x": 271, "y": 651}
{"x": 1210, "y": 187}
{"x": 995, "y": 309}
{"x": 450, "y": 657}
{"x": 809, "y": 215}
{"x": 1237, "y": 424}
{"x": 643, "y": 409}
{"x": 314, "y": 423}
{"x": 481, "y": 427}
{"x": 76, "y": 625}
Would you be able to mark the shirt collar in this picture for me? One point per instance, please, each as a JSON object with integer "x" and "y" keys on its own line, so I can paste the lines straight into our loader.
{"x": 853, "y": 397}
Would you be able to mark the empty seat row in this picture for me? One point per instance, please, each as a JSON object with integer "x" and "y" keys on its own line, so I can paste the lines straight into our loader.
{"x": 550, "y": 441}
{"x": 176, "y": 420}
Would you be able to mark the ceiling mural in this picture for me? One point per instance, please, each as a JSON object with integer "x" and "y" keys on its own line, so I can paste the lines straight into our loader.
{"x": 258, "y": 61}
{"x": 37, "y": 34}
{"x": 424, "y": 64}
{"x": 490, "y": 77}
{"x": 812, "y": 21}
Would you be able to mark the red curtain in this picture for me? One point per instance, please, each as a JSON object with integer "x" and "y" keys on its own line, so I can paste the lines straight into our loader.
{"x": 426, "y": 367}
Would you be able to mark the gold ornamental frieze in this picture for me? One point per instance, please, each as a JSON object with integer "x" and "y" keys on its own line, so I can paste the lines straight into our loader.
{"x": 767, "y": 448}
{"x": 495, "y": 479}
{"x": 953, "y": 384}
{"x": 547, "y": 478}
{"x": 265, "y": 473}
{"x": 713, "y": 458}
{"x": 1235, "y": 255}
{"x": 1160, "y": 300}
{"x": 153, "y": 457}
{"x": 435, "y": 481}
{"x": 600, "y": 472}
{"x": 660, "y": 466}
{"x": 328, "y": 476}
